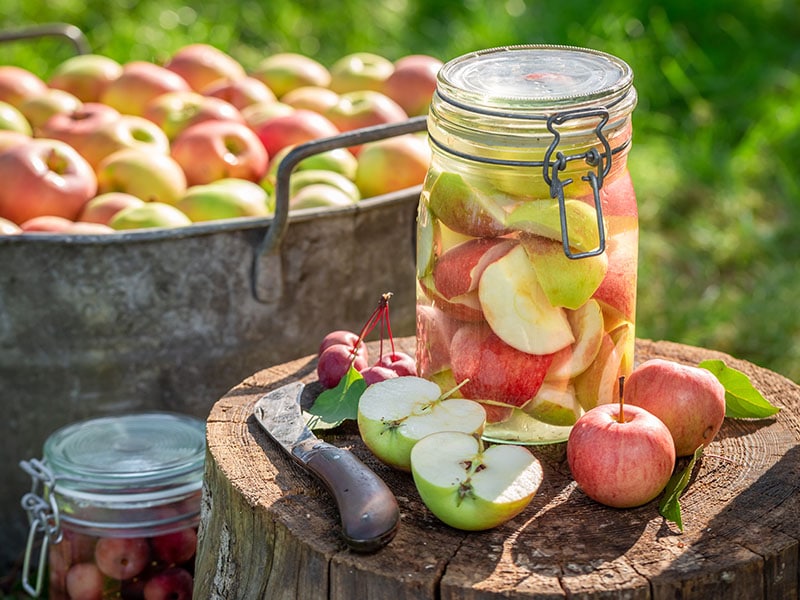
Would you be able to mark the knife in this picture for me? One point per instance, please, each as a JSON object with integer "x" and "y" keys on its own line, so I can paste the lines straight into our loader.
{"x": 367, "y": 507}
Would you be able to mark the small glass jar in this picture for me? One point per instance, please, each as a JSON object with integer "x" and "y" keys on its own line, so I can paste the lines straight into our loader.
{"x": 527, "y": 237}
{"x": 119, "y": 507}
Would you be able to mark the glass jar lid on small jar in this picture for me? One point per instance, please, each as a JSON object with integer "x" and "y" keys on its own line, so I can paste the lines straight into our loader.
{"x": 135, "y": 476}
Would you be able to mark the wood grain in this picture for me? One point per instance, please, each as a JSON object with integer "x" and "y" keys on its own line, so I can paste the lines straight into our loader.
{"x": 270, "y": 530}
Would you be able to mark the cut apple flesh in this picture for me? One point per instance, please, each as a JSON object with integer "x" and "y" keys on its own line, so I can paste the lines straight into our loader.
{"x": 555, "y": 404}
{"x": 587, "y": 327}
{"x": 543, "y": 217}
{"x": 517, "y": 309}
{"x": 470, "y": 488}
{"x": 566, "y": 282}
{"x": 466, "y": 209}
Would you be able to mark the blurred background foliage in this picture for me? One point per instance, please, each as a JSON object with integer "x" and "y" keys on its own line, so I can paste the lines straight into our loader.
{"x": 717, "y": 129}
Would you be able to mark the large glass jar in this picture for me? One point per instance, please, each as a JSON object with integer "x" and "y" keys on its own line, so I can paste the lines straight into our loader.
{"x": 527, "y": 237}
{"x": 119, "y": 507}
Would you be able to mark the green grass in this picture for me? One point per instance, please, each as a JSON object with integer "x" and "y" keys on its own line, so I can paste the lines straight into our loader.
{"x": 715, "y": 160}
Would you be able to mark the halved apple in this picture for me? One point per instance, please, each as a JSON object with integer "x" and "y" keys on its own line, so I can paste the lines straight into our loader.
{"x": 543, "y": 217}
{"x": 471, "y": 487}
{"x": 566, "y": 282}
{"x": 587, "y": 327}
{"x": 466, "y": 209}
{"x": 517, "y": 309}
{"x": 394, "y": 414}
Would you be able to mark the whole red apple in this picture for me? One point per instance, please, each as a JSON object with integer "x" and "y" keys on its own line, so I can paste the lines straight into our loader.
{"x": 392, "y": 164}
{"x": 216, "y": 150}
{"x": 201, "y": 65}
{"x": 79, "y": 122}
{"x": 285, "y": 71}
{"x": 311, "y": 97}
{"x": 140, "y": 82}
{"x": 171, "y": 584}
{"x": 9, "y": 139}
{"x": 44, "y": 177}
{"x": 38, "y": 109}
{"x": 17, "y": 84}
{"x": 96, "y": 133}
{"x": 413, "y": 82}
{"x": 102, "y": 208}
{"x": 689, "y": 400}
{"x": 46, "y": 224}
{"x": 297, "y": 127}
{"x": 85, "y": 76}
{"x": 11, "y": 119}
{"x": 259, "y": 113}
{"x": 173, "y": 112}
{"x": 620, "y": 461}
{"x": 360, "y": 71}
{"x": 364, "y": 108}
{"x": 240, "y": 92}
{"x": 151, "y": 176}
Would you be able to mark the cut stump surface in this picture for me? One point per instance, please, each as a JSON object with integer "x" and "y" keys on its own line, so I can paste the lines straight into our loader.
{"x": 270, "y": 530}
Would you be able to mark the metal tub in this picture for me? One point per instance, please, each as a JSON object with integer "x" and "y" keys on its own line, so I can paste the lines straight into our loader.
{"x": 172, "y": 319}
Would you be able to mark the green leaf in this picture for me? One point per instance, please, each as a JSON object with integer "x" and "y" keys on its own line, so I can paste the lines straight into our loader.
{"x": 669, "y": 506}
{"x": 742, "y": 400}
{"x": 334, "y": 406}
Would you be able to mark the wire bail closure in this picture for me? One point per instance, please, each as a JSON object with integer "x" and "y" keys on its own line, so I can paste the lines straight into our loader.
{"x": 593, "y": 158}
{"x": 44, "y": 520}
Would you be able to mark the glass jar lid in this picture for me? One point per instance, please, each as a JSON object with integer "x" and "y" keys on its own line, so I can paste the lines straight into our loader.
{"x": 154, "y": 450}
{"x": 535, "y": 78}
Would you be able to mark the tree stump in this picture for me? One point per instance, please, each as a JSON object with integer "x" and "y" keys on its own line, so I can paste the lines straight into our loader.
{"x": 270, "y": 530}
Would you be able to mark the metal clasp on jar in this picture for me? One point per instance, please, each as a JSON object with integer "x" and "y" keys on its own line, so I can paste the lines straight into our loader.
{"x": 43, "y": 515}
{"x": 593, "y": 158}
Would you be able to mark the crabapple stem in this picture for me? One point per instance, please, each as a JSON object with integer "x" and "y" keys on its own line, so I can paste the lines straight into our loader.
{"x": 379, "y": 315}
{"x": 449, "y": 393}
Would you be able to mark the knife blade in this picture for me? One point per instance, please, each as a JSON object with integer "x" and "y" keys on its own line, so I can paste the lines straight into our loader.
{"x": 367, "y": 507}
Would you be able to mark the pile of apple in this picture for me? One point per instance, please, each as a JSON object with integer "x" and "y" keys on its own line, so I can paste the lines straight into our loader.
{"x": 153, "y": 568}
{"x": 102, "y": 146}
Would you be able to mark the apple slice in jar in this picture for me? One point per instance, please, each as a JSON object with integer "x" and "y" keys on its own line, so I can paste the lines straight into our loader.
{"x": 497, "y": 372}
{"x": 543, "y": 218}
{"x": 467, "y": 209}
{"x": 599, "y": 383}
{"x": 566, "y": 282}
{"x": 517, "y": 309}
{"x": 555, "y": 404}
{"x": 587, "y": 327}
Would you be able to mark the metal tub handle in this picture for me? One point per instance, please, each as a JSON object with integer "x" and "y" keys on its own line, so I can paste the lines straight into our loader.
{"x": 270, "y": 244}
{"x": 71, "y": 32}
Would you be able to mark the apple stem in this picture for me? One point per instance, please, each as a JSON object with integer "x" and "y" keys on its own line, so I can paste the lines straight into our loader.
{"x": 379, "y": 315}
{"x": 452, "y": 391}
{"x": 621, "y": 417}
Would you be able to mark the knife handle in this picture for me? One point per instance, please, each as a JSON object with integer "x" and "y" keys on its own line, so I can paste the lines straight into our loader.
{"x": 367, "y": 507}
